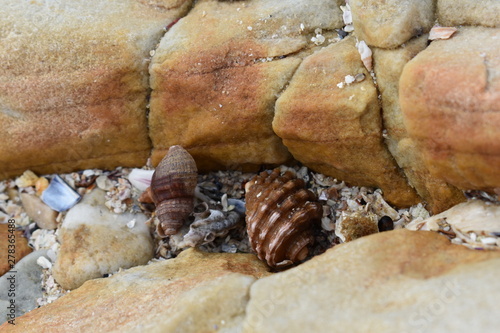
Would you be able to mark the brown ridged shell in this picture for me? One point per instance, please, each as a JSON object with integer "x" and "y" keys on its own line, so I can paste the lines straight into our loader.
{"x": 172, "y": 188}
{"x": 280, "y": 216}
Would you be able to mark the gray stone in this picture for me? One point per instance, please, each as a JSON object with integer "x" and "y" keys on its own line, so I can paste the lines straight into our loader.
{"x": 28, "y": 286}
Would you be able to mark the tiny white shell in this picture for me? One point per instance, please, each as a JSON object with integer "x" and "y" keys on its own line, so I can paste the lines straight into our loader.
{"x": 366, "y": 54}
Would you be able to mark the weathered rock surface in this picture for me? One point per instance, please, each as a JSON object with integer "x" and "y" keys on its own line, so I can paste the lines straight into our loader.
{"x": 19, "y": 248}
{"x": 196, "y": 292}
{"x": 73, "y": 89}
{"x": 390, "y": 23}
{"x": 38, "y": 211}
{"x": 450, "y": 98}
{"x": 468, "y": 12}
{"x": 95, "y": 241}
{"x": 217, "y": 73}
{"x": 398, "y": 281}
{"x": 338, "y": 131}
{"x": 388, "y": 67}
{"x": 27, "y": 288}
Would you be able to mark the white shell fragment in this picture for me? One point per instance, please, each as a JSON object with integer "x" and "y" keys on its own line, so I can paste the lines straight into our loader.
{"x": 438, "y": 32}
{"x": 44, "y": 262}
{"x": 471, "y": 216}
{"x": 104, "y": 183}
{"x": 60, "y": 196}
{"x": 206, "y": 229}
{"x": 366, "y": 54}
{"x": 140, "y": 178}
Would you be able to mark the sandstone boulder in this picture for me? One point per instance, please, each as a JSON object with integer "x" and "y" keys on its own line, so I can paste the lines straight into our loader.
{"x": 217, "y": 73}
{"x": 450, "y": 98}
{"x": 95, "y": 241}
{"x": 397, "y": 281}
{"x": 468, "y": 12}
{"x": 336, "y": 128}
{"x": 388, "y": 67}
{"x": 390, "y": 23}
{"x": 196, "y": 292}
{"x": 74, "y": 82}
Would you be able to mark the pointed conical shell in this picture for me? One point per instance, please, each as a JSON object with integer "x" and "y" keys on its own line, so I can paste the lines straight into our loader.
{"x": 281, "y": 215}
{"x": 172, "y": 187}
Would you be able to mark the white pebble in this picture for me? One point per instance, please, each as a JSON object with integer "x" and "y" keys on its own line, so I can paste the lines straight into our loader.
{"x": 44, "y": 262}
{"x": 131, "y": 223}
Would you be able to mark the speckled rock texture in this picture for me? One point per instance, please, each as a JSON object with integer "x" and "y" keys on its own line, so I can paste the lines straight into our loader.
{"x": 338, "y": 130}
{"x": 217, "y": 74}
{"x": 196, "y": 292}
{"x": 95, "y": 241}
{"x": 74, "y": 82}
{"x": 397, "y": 281}
{"x": 28, "y": 286}
{"x": 468, "y": 12}
{"x": 450, "y": 98}
{"x": 390, "y": 23}
{"x": 388, "y": 67}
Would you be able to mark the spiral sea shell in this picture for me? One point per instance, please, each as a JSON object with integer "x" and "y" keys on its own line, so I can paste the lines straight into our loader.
{"x": 172, "y": 188}
{"x": 281, "y": 215}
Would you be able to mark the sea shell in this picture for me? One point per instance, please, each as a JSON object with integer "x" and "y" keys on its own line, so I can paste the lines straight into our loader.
{"x": 438, "y": 32}
{"x": 209, "y": 224}
{"x": 172, "y": 187}
{"x": 366, "y": 54}
{"x": 59, "y": 195}
{"x": 281, "y": 215}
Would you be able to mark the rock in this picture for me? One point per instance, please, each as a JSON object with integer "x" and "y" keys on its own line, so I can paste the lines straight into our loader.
{"x": 390, "y": 23}
{"x": 388, "y": 67}
{"x": 468, "y": 12}
{"x": 26, "y": 288}
{"x": 196, "y": 292}
{"x": 450, "y": 98}
{"x": 19, "y": 248}
{"x": 396, "y": 281}
{"x": 95, "y": 241}
{"x": 39, "y": 212}
{"x": 338, "y": 131}
{"x": 74, "y": 82}
{"x": 356, "y": 225}
{"x": 217, "y": 73}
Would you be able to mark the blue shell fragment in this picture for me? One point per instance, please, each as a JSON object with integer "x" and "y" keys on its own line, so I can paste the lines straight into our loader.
{"x": 59, "y": 195}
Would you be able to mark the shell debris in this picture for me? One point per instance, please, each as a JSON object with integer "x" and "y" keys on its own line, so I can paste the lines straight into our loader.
{"x": 438, "y": 32}
{"x": 366, "y": 54}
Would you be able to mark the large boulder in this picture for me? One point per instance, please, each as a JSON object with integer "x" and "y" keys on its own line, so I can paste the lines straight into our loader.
{"x": 398, "y": 281}
{"x": 389, "y": 64}
{"x": 450, "y": 98}
{"x": 468, "y": 12}
{"x": 336, "y": 128}
{"x": 196, "y": 292}
{"x": 74, "y": 82}
{"x": 390, "y": 23}
{"x": 217, "y": 74}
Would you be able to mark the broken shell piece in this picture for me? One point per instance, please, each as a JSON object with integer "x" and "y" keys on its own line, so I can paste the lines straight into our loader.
{"x": 471, "y": 216}
{"x": 104, "y": 183}
{"x": 438, "y": 32}
{"x": 146, "y": 196}
{"x": 366, "y": 54}
{"x": 281, "y": 215}
{"x": 59, "y": 195}
{"x": 206, "y": 229}
{"x": 173, "y": 185}
{"x": 28, "y": 178}
{"x": 140, "y": 178}
{"x": 356, "y": 225}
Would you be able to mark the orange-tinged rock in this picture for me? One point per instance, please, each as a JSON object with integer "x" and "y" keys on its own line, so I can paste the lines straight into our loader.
{"x": 196, "y": 292}
{"x": 450, "y": 98}
{"x": 18, "y": 247}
